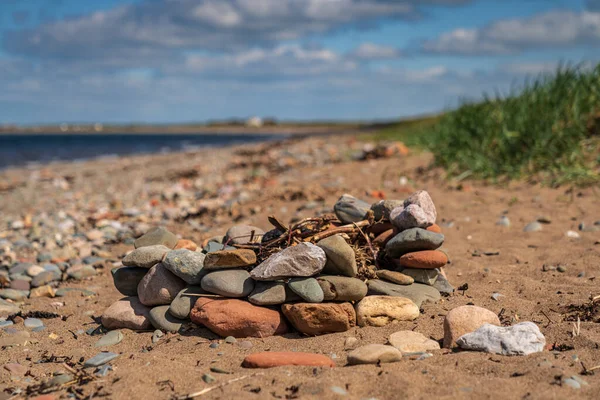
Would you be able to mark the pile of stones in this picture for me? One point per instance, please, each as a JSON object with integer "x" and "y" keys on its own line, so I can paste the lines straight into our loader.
{"x": 321, "y": 284}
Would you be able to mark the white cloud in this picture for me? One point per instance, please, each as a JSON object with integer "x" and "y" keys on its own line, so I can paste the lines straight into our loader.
{"x": 549, "y": 29}
{"x": 372, "y": 51}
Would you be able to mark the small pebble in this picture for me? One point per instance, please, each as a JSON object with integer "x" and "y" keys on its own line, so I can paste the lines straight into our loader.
{"x": 157, "y": 335}
{"x": 110, "y": 339}
{"x": 496, "y": 296}
{"x": 208, "y": 378}
{"x": 214, "y": 345}
{"x": 100, "y": 359}
{"x": 572, "y": 383}
{"x": 32, "y": 323}
{"x": 339, "y": 390}
{"x": 573, "y": 235}
{"x": 230, "y": 340}
{"x": 104, "y": 370}
{"x": 245, "y": 344}
{"x": 561, "y": 268}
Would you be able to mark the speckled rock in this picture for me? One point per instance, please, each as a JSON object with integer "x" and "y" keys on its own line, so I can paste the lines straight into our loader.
{"x": 409, "y": 217}
{"x": 229, "y": 259}
{"x": 518, "y": 340}
{"x": 383, "y": 208}
{"x": 186, "y": 264}
{"x": 318, "y": 319}
{"x": 383, "y": 310}
{"x": 465, "y": 319}
{"x": 341, "y": 259}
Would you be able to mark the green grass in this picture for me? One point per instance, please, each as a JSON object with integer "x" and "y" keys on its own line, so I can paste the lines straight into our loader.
{"x": 549, "y": 127}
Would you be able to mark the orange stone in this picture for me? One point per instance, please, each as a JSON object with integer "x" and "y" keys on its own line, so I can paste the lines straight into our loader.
{"x": 270, "y": 359}
{"x": 385, "y": 237}
{"x": 428, "y": 259}
{"x": 237, "y": 318}
{"x": 186, "y": 244}
{"x": 379, "y": 228}
{"x": 434, "y": 228}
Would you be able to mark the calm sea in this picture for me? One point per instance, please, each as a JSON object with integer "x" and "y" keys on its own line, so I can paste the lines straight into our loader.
{"x": 22, "y": 150}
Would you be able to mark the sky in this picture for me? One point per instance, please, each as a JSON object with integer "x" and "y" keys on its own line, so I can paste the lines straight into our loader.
{"x": 174, "y": 61}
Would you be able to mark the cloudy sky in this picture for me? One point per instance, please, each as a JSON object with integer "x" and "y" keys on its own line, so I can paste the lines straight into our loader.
{"x": 195, "y": 60}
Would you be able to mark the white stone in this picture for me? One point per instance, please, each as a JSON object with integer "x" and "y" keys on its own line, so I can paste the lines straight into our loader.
{"x": 520, "y": 339}
{"x": 302, "y": 260}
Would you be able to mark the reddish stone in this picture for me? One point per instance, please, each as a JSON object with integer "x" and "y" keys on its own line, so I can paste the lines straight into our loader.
{"x": 186, "y": 244}
{"x": 45, "y": 397}
{"x": 378, "y": 229}
{"x": 318, "y": 319}
{"x": 434, "y": 228}
{"x": 270, "y": 359}
{"x": 466, "y": 319}
{"x": 428, "y": 259}
{"x": 385, "y": 237}
{"x": 237, "y": 318}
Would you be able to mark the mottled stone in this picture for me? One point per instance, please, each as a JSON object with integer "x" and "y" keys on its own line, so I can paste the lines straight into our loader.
{"x": 341, "y": 259}
{"x": 127, "y": 313}
{"x": 146, "y": 257}
{"x": 412, "y": 240}
{"x": 185, "y": 264}
{"x": 383, "y": 208}
{"x": 242, "y": 234}
{"x": 229, "y": 259}
{"x": 228, "y": 283}
{"x": 417, "y": 292}
{"x": 342, "y": 288}
{"x": 383, "y": 310}
{"x": 409, "y": 217}
{"x": 395, "y": 277}
{"x": 159, "y": 286}
{"x": 318, "y": 319}
{"x": 155, "y": 236}
{"x": 307, "y": 288}
{"x": 422, "y": 199}
{"x": 302, "y": 260}
{"x": 349, "y": 209}
{"x": 412, "y": 342}
{"x": 465, "y": 319}
{"x": 237, "y": 318}
{"x": 518, "y": 340}
{"x": 127, "y": 279}
{"x": 374, "y": 354}
{"x": 270, "y": 359}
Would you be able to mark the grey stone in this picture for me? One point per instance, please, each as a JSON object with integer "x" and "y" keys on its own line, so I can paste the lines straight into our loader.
{"x": 443, "y": 286}
{"x": 412, "y": 216}
{"x": 534, "y": 226}
{"x": 208, "y": 378}
{"x": 302, "y": 260}
{"x": 110, "y": 339}
{"x": 7, "y": 308}
{"x": 127, "y": 279}
{"x": 415, "y": 239}
{"x": 383, "y": 208}
{"x": 374, "y": 354}
{"x": 186, "y": 264}
{"x": 154, "y": 236}
{"x": 62, "y": 292}
{"x": 19, "y": 268}
{"x": 521, "y": 339}
{"x": 230, "y": 340}
{"x": 307, "y": 288}
{"x": 420, "y": 275}
{"x": 145, "y": 257}
{"x": 241, "y": 234}
{"x": 572, "y": 383}
{"x": 184, "y": 302}
{"x": 349, "y": 209}
{"x": 45, "y": 277}
{"x": 228, "y": 283}
{"x": 100, "y": 359}
{"x": 503, "y": 221}
{"x": 271, "y": 293}
{"x": 211, "y": 247}
{"x": 80, "y": 272}
{"x": 341, "y": 259}
{"x": 342, "y": 288}
{"x": 13, "y": 294}
{"x": 161, "y": 319}
{"x": 31, "y": 323}
{"x": 417, "y": 292}
{"x": 159, "y": 286}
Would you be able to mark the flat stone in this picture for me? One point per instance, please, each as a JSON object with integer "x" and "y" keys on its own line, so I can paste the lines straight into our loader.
{"x": 159, "y": 286}
{"x": 127, "y": 279}
{"x": 184, "y": 301}
{"x": 412, "y": 240}
{"x": 307, "y": 288}
{"x": 270, "y": 359}
{"x": 412, "y": 342}
{"x": 185, "y": 264}
{"x": 127, "y": 313}
{"x": 383, "y": 208}
{"x": 186, "y": 244}
{"x": 14, "y": 295}
{"x": 374, "y": 354}
{"x": 237, "y": 318}
{"x": 155, "y": 236}
{"x": 409, "y": 217}
{"x": 45, "y": 278}
{"x": 395, "y": 277}
{"x": 349, "y": 209}
{"x": 229, "y": 259}
{"x": 271, "y": 293}
{"x": 383, "y": 310}
{"x": 416, "y": 292}
{"x": 80, "y": 272}
{"x": 32, "y": 323}
{"x": 518, "y": 340}
{"x": 241, "y": 234}
{"x": 341, "y": 259}
{"x": 110, "y": 339}
{"x": 442, "y": 285}
{"x": 425, "y": 276}
{"x": 466, "y": 319}
{"x": 426, "y": 259}
{"x": 302, "y": 260}
{"x": 161, "y": 319}
{"x": 318, "y": 319}
{"x": 342, "y": 288}
{"x": 146, "y": 257}
{"x": 228, "y": 283}
{"x": 34, "y": 270}
{"x": 100, "y": 359}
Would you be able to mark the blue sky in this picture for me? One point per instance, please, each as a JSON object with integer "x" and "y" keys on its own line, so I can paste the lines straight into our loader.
{"x": 159, "y": 61}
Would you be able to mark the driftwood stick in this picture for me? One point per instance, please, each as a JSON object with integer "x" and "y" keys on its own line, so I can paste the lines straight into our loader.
{"x": 210, "y": 389}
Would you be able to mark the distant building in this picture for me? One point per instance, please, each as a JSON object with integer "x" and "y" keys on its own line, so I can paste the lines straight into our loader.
{"x": 254, "y": 122}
